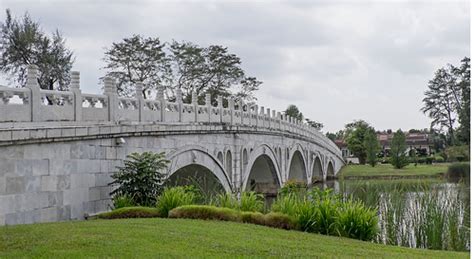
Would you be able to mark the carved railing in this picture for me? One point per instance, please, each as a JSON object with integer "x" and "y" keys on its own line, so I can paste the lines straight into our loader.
{"x": 33, "y": 104}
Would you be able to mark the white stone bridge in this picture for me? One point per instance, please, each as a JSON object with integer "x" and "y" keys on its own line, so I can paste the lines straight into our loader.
{"x": 59, "y": 148}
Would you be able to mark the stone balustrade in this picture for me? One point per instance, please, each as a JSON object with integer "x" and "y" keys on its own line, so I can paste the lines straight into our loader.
{"x": 37, "y": 105}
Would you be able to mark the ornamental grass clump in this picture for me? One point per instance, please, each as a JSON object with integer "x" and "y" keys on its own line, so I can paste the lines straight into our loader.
{"x": 251, "y": 201}
{"x": 122, "y": 201}
{"x": 354, "y": 220}
{"x": 174, "y": 197}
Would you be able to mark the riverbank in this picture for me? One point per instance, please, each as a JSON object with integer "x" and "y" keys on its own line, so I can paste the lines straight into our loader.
{"x": 387, "y": 171}
{"x": 156, "y": 237}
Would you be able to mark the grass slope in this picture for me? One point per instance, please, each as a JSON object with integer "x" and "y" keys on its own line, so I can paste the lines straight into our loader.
{"x": 139, "y": 238}
{"x": 387, "y": 171}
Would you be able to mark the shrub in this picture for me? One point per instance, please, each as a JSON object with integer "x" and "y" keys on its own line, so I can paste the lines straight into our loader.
{"x": 286, "y": 204}
{"x": 205, "y": 212}
{"x": 354, "y": 220}
{"x": 326, "y": 214}
{"x": 130, "y": 212}
{"x": 226, "y": 200}
{"x": 252, "y": 217}
{"x": 279, "y": 220}
{"x": 293, "y": 186}
{"x": 458, "y": 153}
{"x": 251, "y": 201}
{"x": 459, "y": 170}
{"x": 172, "y": 198}
{"x": 439, "y": 159}
{"x": 429, "y": 160}
{"x": 122, "y": 201}
{"x": 140, "y": 178}
{"x": 398, "y": 157}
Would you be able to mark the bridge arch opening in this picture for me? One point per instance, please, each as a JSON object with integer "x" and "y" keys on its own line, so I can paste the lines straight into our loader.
{"x": 220, "y": 157}
{"x": 263, "y": 176}
{"x": 297, "y": 170}
{"x": 330, "y": 171}
{"x": 317, "y": 174}
{"x": 199, "y": 176}
{"x": 228, "y": 163}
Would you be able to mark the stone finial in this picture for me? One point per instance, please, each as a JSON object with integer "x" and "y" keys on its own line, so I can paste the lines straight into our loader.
{"x": 208, "y": 99}
{"x": 75, "y": 80}
{"x": 219, "y": 101}
{"x": 31, "y": 77}
{"x": 262, "y": 110}
{"x": 231, "y": 103}
{"x": 194, "y": 98}
{"x": 179, "y": 95}
{"x": 109, "y": 85}
{"x": 139, "y": 89}
{"x": 268, "y": 112}
{"x": 273, "y": 113}
{"x": 279, "y": 115}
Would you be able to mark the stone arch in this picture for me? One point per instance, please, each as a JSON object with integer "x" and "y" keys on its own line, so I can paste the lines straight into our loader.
{"x": 317, "y": 172}
{"x": 263, "y": 156}
{"x": 199, "y": 156}
{"x": 220, "y": 157}
{"x": 330, "y": 173}
{"x": 297, "y": 164}
{"x": 228, "y": 163}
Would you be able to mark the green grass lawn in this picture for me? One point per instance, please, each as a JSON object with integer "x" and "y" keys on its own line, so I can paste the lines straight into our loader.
{"x": 139, "y": 238}
{"x": 387, "y": 170}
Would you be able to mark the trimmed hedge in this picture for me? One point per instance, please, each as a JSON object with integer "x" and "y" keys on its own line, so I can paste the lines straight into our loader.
{"x": 205, "y": 212}
{"x": 130, "y": 212}
{"x": 459, "y": 170}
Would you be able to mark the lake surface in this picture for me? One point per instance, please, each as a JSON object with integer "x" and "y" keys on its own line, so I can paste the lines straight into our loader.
{"x": 423, "y": 213}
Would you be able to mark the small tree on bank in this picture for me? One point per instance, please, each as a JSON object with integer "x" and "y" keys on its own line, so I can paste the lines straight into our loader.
{"x": 397, "y": 150}
{"x": 372, "y": 146}
{"x": 141, "y": 177}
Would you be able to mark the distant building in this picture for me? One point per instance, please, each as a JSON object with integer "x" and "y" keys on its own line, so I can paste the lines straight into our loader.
{"x": 419, "y": 141}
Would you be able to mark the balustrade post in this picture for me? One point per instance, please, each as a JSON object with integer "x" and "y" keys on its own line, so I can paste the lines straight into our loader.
{"x": 35, "y": 95}
{"x": 110, "y": 89}
{"x": 179, "y": 101}
{"x": 269, "y": 118}
{"x": 161, "y": 98}
{"x": 220, "y": 107}
{"x": 272, "y": 121}
{"x": 140, "y": 100}
{"x": 279, "y": 120}
{"x": 76, "y": 90}
{"x": 241, "y": 109}
{"x": 256, "y": 114}
{"x": 194, "y": 102}
{"x": 209, "y": 106}
{"x": 231, "y": 104}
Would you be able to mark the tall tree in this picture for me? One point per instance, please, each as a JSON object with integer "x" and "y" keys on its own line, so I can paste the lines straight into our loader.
{"x": 398, "y": 149}
{"x": 463, "y": 75}
{"x": 355, "y": 135}
{"x": 136, "y": 59}
{"x": 372, "y": 146}
{"x": 22, "y": 42}
{"x": 294, "y": 112}
{"x": 314, "y": 124}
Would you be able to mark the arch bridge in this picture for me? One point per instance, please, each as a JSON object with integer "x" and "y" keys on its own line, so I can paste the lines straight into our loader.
{"x": 58, "y": 149}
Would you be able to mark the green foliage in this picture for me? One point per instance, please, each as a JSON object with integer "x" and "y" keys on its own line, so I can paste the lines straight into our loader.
{"x": 252, "y": 217}
{"x": 459, "y": 170}
{"x": 174, "y": 197}
{"x": 130, "y": 212}
{"x": 121, "y": 201}
{"x": 439, "y": 159}
{"x": 294, "y": 112}
{"x": 398, "y": 147}
{"x": 372, "y": 146}
{"x": 22, "y": 42}
{"x": 293, "y": 186}
{"x": 457, "y": 153}
{"x": 314, "y": 124}
{"x": 355, "y": 135}
{"x": 136, "y": 59}
{"x": 463, "y": 73}
{"x": 205, "y": 212}
{"x": 140, "y": 178}
{"x": 287, "y": 203}
{"x": 279, "y": 220}
{"x": 251, "y": 201}
{"x": 226, "y": 200}
{"x": 357, "y": 221}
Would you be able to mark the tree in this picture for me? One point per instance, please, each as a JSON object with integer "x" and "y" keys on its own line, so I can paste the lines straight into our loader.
{"x": 294, "y": 112}
{"x": 22, "y": 42}
{"x": 372, "y": 146}
{"x": 314, "y": 124}
{"x": 140, "y": 178}
{"x": 136, "y": 59}
{"x": 463, "y": 74}
{"x": 333, "y": 136}
{"x": 355, "y": 135}
{"x": 398, "y": 150}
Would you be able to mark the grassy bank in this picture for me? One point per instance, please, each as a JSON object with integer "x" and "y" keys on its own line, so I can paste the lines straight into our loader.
{"x": 388, "y": 171}
{"x": 157, "y": 237}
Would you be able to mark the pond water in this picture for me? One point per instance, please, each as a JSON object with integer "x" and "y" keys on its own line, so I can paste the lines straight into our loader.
{"x": 425, "y": 213}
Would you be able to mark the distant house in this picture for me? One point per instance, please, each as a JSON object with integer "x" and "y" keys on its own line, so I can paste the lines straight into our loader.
{"x": 420, "y": 142}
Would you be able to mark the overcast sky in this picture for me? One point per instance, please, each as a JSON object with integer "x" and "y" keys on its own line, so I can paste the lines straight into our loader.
{"x": 337, "y": 61}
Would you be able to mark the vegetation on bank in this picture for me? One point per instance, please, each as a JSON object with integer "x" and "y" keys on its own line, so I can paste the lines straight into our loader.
{"x": 127, "y": 238}
{"x": 388, "y": 171}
